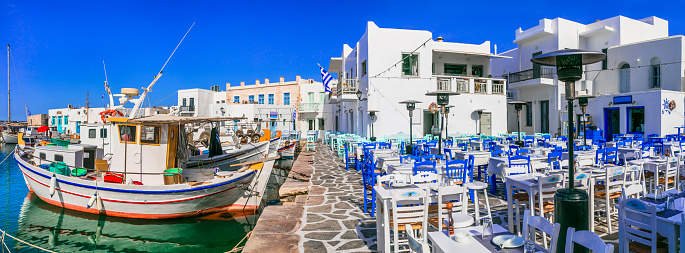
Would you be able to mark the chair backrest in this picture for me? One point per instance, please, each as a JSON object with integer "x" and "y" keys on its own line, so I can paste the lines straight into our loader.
{"x": 581, "y": 181}
{"x": 431, "y": 157}
{"x": 634, "y": 191}
{"x": 310, "y": 138}
{"x": 427, "y": 166}
{"x": 632, "y": 173}
{"x": 455, "y": 194}
{"x": 611, "y": 155}
{"x": 448, "y": 153}
{"x": 547, "y": 187}
{"x": 384, "y": 145}
{"x": 463, "y": 146}
{"x": 533, "y": 223}
{"x": 587, "y": 239}
{"x": 448, "y": 143}
{"x": 522, "y": 151}
{"x": 520, "y": 164}
{"x": 554, "y": 160}
{"x": 637, "y": 220}
{"x": 613, "y": 180}
{"x": 513, "y": 149}
{"x": 497, "y": 153}
{"x": 410, "y": 206}
{"x": 415, "y": 244}
{"x": 424, "y": 177}
{"x": 410, "y": 157}
{"x": 456, "y": 170}
{"x": 600, "y": 156}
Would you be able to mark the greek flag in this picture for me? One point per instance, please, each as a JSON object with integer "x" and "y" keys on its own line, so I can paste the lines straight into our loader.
{"x": 294, "y": 114}
{"x": 325, "y": 79}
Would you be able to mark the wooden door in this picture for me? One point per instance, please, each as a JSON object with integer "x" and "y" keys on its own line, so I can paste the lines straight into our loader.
{"x": 172, "y": 141}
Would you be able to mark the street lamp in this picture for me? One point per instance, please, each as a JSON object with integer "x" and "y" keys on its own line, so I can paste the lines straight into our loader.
{"x": 570, "y": 205}
{"x": 443, "y": 97}
{"x": 480, "y": 113}
{"x": 447, "y": 121}
{"x": 583, "y": 102}
{"x": 411, "y": 105}
{"x": 518, "y": 105}
{"x": 372, "y": 113}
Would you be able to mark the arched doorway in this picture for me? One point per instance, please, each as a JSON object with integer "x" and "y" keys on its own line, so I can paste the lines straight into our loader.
{"x": 624, "y": 78}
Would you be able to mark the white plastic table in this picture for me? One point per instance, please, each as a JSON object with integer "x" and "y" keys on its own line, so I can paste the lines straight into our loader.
{"x": 526, "y": 182}
{"x": 442, "y": 243}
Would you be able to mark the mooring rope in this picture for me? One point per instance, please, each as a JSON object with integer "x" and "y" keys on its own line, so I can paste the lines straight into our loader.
{"x": 22, "y": 241}
{"x": 238, "y": 249}
{"x": 8, "y": 156}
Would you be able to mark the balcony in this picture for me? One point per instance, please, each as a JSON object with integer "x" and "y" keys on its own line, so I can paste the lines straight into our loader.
{"x": 475, "y": 85}
{"x": 347, "y": 90}
{"x": 532, "y": 77}
{"x": 309, "y": 107}
{"x": 187, "y": 109}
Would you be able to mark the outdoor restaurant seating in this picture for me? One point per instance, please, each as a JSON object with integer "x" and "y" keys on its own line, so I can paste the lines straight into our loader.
{"x": 409, "y": 207}
{"x": 637, "y": 221}
{"x": 531, "y": 224}
{"x": 610, "y": 190}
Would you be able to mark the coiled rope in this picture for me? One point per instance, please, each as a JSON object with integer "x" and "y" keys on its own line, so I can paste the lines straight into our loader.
{"x": 22, "y": 241}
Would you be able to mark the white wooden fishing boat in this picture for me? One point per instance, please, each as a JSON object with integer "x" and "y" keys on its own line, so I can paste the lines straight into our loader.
{"x": 275, "y": 143}
{"x": 145, "y": 160}
{"x": 287, "y": 149}
{"x": 9, "y": 138}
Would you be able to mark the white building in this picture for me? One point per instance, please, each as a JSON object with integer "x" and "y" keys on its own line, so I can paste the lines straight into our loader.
{"x": 642, "y": 70}
{"x": 68, "y": 120}
{"x": 391, "y": 65}
{"x": 201, "y": 102}
{"x": 314, "y": 112}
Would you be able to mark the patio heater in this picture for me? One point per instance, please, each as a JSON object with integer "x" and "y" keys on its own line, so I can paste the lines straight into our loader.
{"x": 518, "y": 105}
{"x": 411, "y": 105}
{"x": 372, "y": 113}
{"x": 480, "y": 113}
{"x": 570, "y": 205}
{"x": 447, "y": 122}
{"x": 443, "y": 97}
{"x": 582, "y": 102}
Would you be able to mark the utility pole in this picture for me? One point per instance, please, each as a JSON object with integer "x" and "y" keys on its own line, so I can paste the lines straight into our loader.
{"x": 87, "y": 107}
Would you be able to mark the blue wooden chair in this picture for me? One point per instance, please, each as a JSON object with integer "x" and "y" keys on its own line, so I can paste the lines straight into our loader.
{"x": 519, "y": 161}
{"x": 369, "y": 175}
{"x": 497, "y": 153}
{"x": 456, "y": 171}
{"x": 513, "y": 149}
{"x": 471, "y": 143}
{"x": 350, "y": 159}
{"x": 448, "y": 153}
{"x": 554, "y": 160}
{"x": 431, "y": 157}
{"x": 448, "y": 143}
{"x": 528, "y": 142}
{"x": 463, "y": 146}
{"x": 562, "y": 138}
{"x": 384, "y": 145}
{"x": 658, "y": 147}
{"x": 522, "y": 151}
{"x": 541, "y": 142}
{"x": 582, "y": 148}
{"x": 427, "y": 166}
{"x": 600, "y": 156}
{"x": 611, "y": 156}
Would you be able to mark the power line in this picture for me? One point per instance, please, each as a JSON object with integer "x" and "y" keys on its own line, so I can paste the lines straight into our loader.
{"x": 632, "y": 67}
{"x": 410, "y": 54}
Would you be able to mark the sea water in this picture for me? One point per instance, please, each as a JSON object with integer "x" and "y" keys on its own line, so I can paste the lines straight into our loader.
{"x": 28, "y": 218}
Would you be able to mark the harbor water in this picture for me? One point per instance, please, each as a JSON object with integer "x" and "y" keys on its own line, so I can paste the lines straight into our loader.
{"x": 28, "y": 218}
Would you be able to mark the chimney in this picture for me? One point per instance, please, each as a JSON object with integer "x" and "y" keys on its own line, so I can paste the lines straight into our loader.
{"x": 256, "y": 82}
{"x": 266, "y": 80}
{"x": 282, "y": 79}
{"x": 242, "y": 84}
{"x": 440, "y": 39}
{"x": 228, "y": 86}
{"x": 297, "y": 78}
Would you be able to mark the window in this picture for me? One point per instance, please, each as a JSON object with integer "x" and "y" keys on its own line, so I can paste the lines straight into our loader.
{"x": 604, "y": 62}
{"x": 322, "y": 97}
{"x": 410, "y": 64}
{"x": 286, "y": 98}
{"x": 477, "y": 70}
{"x": 59, "y": 158}
{"x": 149, "y": 134}
{"x": 184, "y": 102}
{"x": 66, "y": 120}
{"x": 321, "y": 124}
{"x": 127, "y": 133}
{"x": 529, "y": 114}
{"x": 455, "y": 69}
{"x": 271, "y": 99}
{"x": 364, "y": 68}
{"x": 53, "y": 120}
{"x": 43, "y": 156}
{"x": 251, "y": 98}
{"x": 192, "y": 104}
{"x": 261, "y": 99}
{"x": 59, "y": 120}
{"x": 103, "y": 133}
{"x": 655, "y": 73}
{"x": 636, "y": 119}
{"x": 92, "y": 133}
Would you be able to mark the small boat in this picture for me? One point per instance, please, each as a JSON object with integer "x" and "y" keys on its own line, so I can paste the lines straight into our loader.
{"x": 287, "y": 150}
{"x": 275, "y": 143}
{"x": 9, "y": 138}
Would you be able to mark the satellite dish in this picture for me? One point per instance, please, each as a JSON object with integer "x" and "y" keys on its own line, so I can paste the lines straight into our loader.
{"x": 130, "y": 92}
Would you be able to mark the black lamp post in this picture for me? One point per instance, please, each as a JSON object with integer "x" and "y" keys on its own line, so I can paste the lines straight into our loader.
{"x": 583, "y": 102}
{"x": 447, "y": 122}
{"x": 411, "y": 105}
{"x": 372, "y": 113}
{"x": 570, "y": 205}
{"x": 518, "y": 105}
{"x": 443, "y": 97}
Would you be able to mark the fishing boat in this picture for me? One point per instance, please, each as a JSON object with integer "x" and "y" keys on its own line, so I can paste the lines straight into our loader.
{"x": 275, "y": 143}
{"x": 287, "y": 149}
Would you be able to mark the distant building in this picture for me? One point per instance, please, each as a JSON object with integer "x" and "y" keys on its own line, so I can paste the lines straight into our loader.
{"x": 68, "y": 120}
{"x": 200, "y": 102}
{"x": 387, "y": 66}
{"x": 37, "y": 120}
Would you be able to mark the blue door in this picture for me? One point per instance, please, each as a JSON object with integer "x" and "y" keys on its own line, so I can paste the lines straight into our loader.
{"x": 59, "y": 125}
{"x": 612, "y": 123}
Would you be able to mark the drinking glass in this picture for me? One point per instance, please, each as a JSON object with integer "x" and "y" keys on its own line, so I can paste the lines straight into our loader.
{"x": 487, "y": 228}
{"x": 530, "y": 247}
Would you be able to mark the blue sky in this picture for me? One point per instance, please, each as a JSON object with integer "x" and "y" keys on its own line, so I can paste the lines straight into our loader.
{"x": 58, "y": 47}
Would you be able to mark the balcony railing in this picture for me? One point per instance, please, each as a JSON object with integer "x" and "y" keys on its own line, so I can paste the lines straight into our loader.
{"x": 309, "y": 107}
{"x": 542, "y": 72}
{"x": 187, "y": 108}
{"x": 347, "y": 86}
{"x": 480, "y": 85}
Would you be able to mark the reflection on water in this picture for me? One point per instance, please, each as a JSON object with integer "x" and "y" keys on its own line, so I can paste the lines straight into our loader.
{"x": 62, "y": 230}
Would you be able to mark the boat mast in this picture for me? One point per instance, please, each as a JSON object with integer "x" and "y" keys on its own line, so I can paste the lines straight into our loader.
{"x": 87, "y": 107}
{"x": 9, "y": 112}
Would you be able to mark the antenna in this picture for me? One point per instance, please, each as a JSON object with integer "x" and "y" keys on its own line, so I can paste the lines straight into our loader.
{"x": 141, "y": 99}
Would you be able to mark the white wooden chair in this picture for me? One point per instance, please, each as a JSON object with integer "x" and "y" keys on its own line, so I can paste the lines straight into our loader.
{"x": 607, "y": 193}
{"x": 424, "y": 177}
{"x": 409, "y": 207}
{"x": 533, "y": 223}
{"x": 587, "y": 239}
{"x": 637, "y": 227}
{"x": 455, "y": 194}
{"x": 634, "y": 191}
{"x": 416, "y": 245}
{"x": 547, "y": 186}
{"x": 670, "y": 178}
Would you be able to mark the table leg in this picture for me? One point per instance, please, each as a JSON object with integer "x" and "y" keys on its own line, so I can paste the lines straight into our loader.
{"x": 475, "y": 203}
{"x": 682, "y": 233}
{"x": 510, "y": 215}
{"x": 493, "y": 184}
